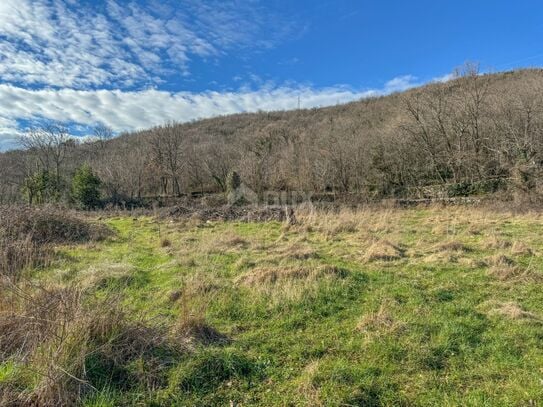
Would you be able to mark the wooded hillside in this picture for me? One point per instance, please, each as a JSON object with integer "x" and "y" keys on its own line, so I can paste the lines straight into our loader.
{"x": 474, "y": 134}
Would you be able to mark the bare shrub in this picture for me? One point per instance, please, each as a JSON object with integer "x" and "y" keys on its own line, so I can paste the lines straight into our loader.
{"x": 22, "y": 254}
{"x": 26, "y": 236}
{"x": 48, "y": 225}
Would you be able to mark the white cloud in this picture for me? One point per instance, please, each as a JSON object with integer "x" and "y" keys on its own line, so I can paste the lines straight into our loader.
{"x": 445, "y": 78}
{"x": 401, "y": 83}
{"x": 125, "y": 111}
{"x": 118, "y": 43}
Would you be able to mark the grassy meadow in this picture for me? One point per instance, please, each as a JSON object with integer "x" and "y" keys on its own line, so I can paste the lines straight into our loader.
{"x": 438, "y": 306}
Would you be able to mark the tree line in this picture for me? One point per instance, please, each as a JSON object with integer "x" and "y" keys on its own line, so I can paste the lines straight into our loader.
{"x": 474, "y": 134}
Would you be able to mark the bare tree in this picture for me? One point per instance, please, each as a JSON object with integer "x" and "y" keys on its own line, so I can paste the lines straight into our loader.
{"x": 102, "y": 133}
{"x": 166, "y": 147}
{"x": 50, "y": 143}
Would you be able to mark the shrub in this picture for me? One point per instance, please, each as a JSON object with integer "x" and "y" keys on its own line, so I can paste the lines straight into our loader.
{"x": 48, "y": 225}
{"x": 86, "y": 188}
{"x": 26, "y": 234}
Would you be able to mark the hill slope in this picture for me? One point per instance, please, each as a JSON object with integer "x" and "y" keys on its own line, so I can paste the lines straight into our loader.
{"x": 474, "y": 134}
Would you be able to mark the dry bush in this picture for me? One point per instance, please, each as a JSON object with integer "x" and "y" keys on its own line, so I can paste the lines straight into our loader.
{"x": 48, "y": 225}
{"x": 23, "y": 254}
{"x": 26, "y": 236}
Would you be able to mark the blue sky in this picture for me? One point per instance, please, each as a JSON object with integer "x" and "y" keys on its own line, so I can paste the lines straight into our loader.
{"x": 135, "y": 64}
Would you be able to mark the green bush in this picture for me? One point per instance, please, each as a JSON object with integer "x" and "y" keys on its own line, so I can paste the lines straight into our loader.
{"x": 86, "y": 188}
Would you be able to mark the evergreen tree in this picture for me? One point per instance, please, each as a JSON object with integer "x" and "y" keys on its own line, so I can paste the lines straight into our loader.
{"x": 86, "y": 188}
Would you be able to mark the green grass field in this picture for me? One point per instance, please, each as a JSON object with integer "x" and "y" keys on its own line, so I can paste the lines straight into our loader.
{"x": 415, "y": 307}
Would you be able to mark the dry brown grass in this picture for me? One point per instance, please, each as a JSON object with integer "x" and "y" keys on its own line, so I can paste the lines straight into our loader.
{"x": 500, "y": 260}
{"x": 195, "y": 330}
{"x": 289, "y": 283}
{"x": 330, "y": 223}
{"x": 442, "y": 258}
{"x": 226, "y": 242}
{"x": 452, "y": 246}
{"x": 191, "y": 327}
{"x": 383, "y": 250}
{"x": 52, "y": 332}
{"x": 101, "y": 275}
{"x": 521, "y": 249}
{"x": 307, "y": 387}
{"x": 296, "y": 251}
{"x": 504, "y": 268}
{"x": 271, "y": 275}
{"x": 381, "y": 321}
{"x": 512, "y": 310}
{"x": 493, "y": 242}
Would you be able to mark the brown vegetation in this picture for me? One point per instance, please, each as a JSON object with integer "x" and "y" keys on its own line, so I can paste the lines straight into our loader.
{"x": 383, "y": 251}
{"x": 58, "y": 335}
{"x": 27, "y": 235}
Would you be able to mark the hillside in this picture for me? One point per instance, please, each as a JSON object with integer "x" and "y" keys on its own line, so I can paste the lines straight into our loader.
{"x": 475, "y": 134}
